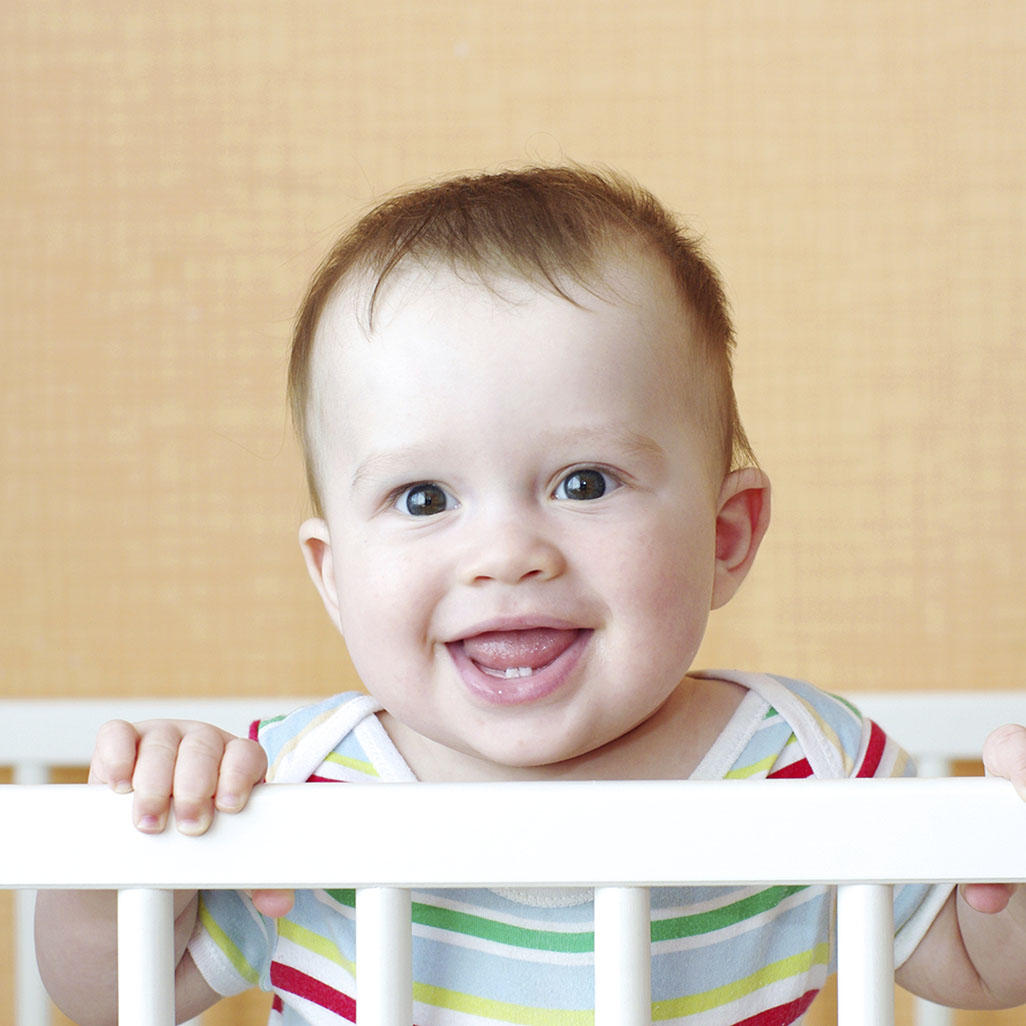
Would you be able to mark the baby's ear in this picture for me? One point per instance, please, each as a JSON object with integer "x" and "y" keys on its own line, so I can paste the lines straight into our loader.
{"x": 741, "y": 522}
{"x": 315, "y": 542}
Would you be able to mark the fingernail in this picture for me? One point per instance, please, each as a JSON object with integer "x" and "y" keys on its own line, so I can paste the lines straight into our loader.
{"x": 191, "y": 827}
{"x": 229, "y": 802}
{"x": 122, "y": 786}
{"x": 150, "y": 824}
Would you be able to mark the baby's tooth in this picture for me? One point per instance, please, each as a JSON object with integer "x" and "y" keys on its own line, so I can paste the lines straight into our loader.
{"x": 518, "y": 671}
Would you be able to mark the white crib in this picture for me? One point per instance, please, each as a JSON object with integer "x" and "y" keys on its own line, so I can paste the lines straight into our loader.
{"x": 942, "y": 830}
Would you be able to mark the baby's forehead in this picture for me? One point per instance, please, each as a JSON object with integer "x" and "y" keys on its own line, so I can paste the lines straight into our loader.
{"x": 432, "y": 315}
{"x": 433, "y": 308}
{"x": 619, "y": 276}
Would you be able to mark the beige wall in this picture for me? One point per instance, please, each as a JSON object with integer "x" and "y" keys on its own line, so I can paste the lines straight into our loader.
{"x": 171, "y": 174}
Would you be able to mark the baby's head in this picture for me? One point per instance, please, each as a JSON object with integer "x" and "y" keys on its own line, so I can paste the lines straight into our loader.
{"x": 530, "y": 481}
{"x": 548, "y": 226}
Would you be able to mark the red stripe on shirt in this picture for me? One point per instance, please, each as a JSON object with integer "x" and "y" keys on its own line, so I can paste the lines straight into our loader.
{"x": 284, "y": 977}
{"x": 874, "y": 751}
{"x": 795, "y": 770}
{"x": 782, "y": 1015}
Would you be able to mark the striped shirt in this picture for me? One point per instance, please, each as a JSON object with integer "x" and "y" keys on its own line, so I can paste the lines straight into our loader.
{"x": 721, "y": 956}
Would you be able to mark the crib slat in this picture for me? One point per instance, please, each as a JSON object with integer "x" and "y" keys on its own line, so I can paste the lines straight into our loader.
{"x": 929, "y": 1014}
{"x": 865, "y": 955}
{"x": 146, "y": 961}
{"x": 623, "y": 948}
{"x": 384, "y": 973}
{"x": 31, "y": 1004}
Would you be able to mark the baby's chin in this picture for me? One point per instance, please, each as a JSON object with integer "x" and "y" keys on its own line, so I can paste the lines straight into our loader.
{"x": 447, "y": 758}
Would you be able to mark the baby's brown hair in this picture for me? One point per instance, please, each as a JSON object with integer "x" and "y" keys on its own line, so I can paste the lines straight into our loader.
{"x": 546, "y": 225}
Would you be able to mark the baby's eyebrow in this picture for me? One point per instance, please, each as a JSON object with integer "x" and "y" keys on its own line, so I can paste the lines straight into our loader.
{"x": 619, "y": 439}
{"x": 583, "y": 443}
{"x": 633, "y": 442}
{"x": 385, "y": 464}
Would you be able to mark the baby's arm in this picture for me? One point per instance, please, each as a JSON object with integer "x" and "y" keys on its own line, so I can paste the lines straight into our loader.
{"x": 974, "y": 954}
{"x": 191, "y": 767}
{"x": 77, "y": 955}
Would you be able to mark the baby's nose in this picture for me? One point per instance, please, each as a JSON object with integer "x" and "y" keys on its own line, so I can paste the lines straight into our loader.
{"x": 512, "y": 552}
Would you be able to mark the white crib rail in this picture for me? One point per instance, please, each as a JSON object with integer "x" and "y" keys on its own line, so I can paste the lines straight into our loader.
{"x": 38, "y": 735}
{"x": 617, "y": 837}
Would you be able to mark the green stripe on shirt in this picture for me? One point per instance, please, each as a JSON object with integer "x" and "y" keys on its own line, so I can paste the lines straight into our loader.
{"x": 583, "y": 941}
{"x": 470, "y": 925}
{"x": 723, "y": 917}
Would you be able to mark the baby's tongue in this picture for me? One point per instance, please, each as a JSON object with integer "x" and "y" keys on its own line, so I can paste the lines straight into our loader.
{"x": 504, "y": 650}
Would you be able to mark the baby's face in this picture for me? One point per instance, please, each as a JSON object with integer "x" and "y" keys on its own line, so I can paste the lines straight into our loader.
{"x": 520, "y": 506}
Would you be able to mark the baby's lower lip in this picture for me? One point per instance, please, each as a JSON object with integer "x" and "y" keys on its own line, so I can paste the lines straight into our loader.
{"x": 518, "y": 685}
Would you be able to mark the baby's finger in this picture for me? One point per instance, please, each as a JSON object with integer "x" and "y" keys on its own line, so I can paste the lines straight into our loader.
{"x": 988, "y": 898}
{"x": 153, "y": 778}
{"x": 196, "y": 777}
{"x": 113, "y": 760}
{"x": 243, "y": 766}
{"x": 273, "y": 904}
{"x": 1004, "y": 755}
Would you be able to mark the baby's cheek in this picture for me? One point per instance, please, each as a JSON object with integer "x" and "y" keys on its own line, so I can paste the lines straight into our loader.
{"x": 677, "y": 587}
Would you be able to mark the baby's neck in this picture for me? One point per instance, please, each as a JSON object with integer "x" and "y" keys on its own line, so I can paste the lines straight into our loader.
{"x": 669, "y": 745}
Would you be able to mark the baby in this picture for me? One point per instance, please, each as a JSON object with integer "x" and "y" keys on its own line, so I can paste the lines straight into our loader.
{"x": 531, "y": 487}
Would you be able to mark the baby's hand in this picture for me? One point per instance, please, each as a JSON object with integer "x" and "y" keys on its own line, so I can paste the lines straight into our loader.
{"x": 1004, "y": 755}
{"x": 193, "y": 767}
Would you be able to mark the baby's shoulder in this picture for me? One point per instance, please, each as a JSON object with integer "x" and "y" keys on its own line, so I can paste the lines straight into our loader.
{"x": 298, "y": 741}
{"x": 789, "y": 727}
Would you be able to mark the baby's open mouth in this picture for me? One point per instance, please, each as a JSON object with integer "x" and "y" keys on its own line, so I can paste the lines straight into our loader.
{"x": 517, "y": 653}
{"x": 516, "y": 666}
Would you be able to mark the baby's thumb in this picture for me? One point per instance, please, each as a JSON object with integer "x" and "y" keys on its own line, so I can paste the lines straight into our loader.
{"x": 988, "y": 898}
{"x": 1004, "y": 755}
{"x": 273, "y": 904}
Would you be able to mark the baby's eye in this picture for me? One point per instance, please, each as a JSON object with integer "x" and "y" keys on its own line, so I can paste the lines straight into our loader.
{"x": 424, "y": 500}
{"x": 587, "y": 483}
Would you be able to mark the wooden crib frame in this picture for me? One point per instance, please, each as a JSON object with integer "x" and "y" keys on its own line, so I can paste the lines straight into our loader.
{"x": 944, "y": 830}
